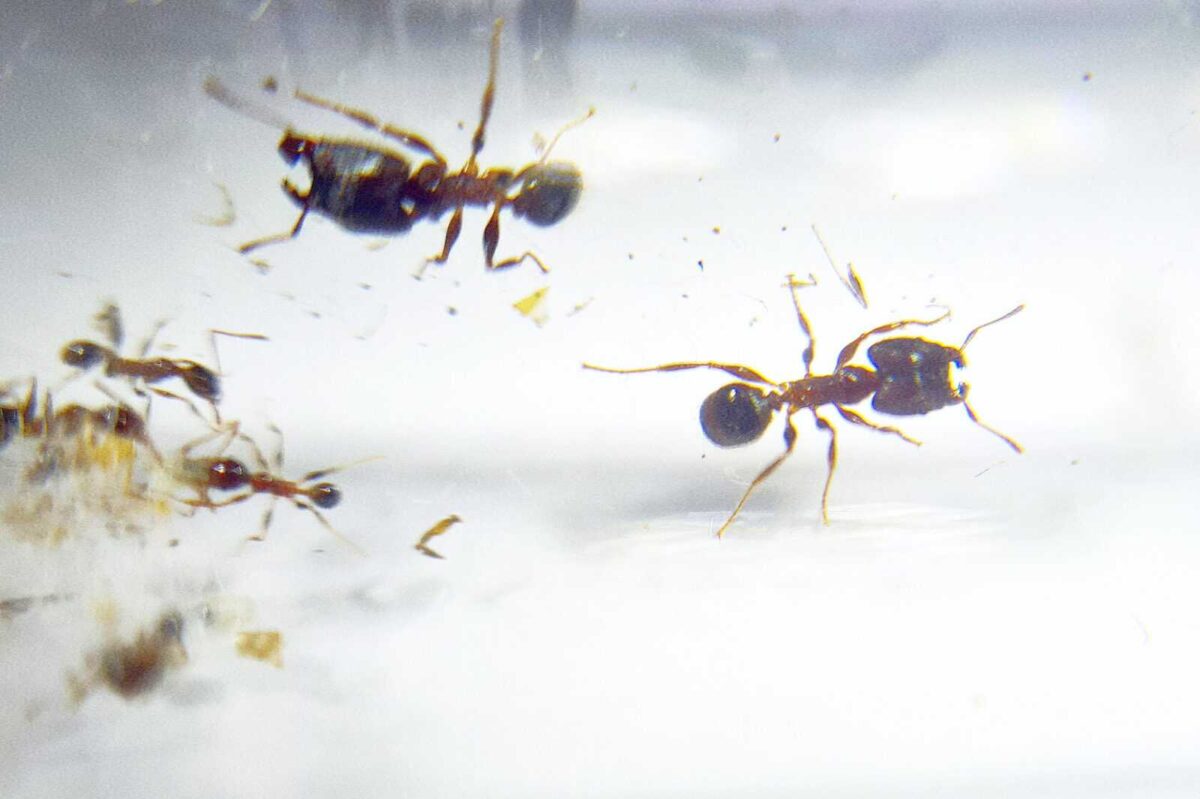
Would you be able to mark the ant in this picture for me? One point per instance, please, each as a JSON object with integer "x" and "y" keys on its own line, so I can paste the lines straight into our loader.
{"x": 911, "y": 377}
{"x": 201, "y": 380}
{"x": 26, "y": 420}
{"x": 206, "y": 474}
{"x": 370, "y": 189}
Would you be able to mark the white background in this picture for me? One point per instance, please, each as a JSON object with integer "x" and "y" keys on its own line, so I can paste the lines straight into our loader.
{"x": 972, "y": 623}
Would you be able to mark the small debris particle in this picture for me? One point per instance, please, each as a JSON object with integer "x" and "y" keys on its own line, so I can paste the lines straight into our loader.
{"x": 264, "y": 645}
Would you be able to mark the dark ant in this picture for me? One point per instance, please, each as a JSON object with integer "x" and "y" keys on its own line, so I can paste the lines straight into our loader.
{"x": 911, "y": 377}
{"x": 370, "y": 189}
{"x": 135, "y": 669}
{"x": 206, "y": 474}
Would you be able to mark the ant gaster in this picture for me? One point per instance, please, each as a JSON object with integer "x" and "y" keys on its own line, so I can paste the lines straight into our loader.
{"x": 371, "y": 189}
{"x": 911, "y": 376}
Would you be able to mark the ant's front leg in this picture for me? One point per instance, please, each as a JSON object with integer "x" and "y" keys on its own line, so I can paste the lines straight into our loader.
{"x": 302, "y": 201}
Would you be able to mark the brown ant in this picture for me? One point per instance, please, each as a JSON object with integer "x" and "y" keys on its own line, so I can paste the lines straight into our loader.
{"x": 218, "y": 473}
{"x": 134, "y": 669}
{"x": 201, "y": 380}
{"x": 371, "y": 189}
{"x": 911, "y": 376}
{"x": 27, "y": 420}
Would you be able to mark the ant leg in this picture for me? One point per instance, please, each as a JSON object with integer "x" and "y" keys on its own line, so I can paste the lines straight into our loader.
{"x": 149, "y": 342}
{"x": 452, "y": 231}
{"x": 850, "y": 349}
{"x": 371, "y": 122}
{"x": 737, "y": 370}
{"x": 265, "y": 524}
{"x": 331, "y": 529}
{"x": 830, "y": 458}
{"x": 851, "y": 416}
{"x": 162, "y": 392}
{"x": 489, "y": 95}
{"x": 440, "y": 528}
{"x": 109, "y": 319}
{"x": 1016, "y": 447}
{"x": 789, "y": 440}
{"x": 574, "y": 123}
{"x": 793, "y": 284}
{"x": 280, "y": 237}
{"x": 491, "y": 238}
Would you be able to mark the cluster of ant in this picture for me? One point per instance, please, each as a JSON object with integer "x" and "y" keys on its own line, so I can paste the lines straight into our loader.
{"x": 110, "y": 448}
{"x": 368, "y": 188}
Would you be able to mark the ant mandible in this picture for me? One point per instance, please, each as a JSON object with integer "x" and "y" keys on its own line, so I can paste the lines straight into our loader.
{"x": 911, "y": 377}
{"x": 218, "y": 473}
{"x": 371, "y": 189}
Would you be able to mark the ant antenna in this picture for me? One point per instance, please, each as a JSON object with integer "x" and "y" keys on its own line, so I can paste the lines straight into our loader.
{"x": 1008, "y": 315}
{"x": 971, "y": 413}
{"x": 219, "y": 92}
{"x": 574, "y": 123}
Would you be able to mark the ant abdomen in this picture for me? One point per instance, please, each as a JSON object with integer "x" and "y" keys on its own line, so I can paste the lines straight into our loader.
{"x": 914, "y": 376}
{"x": 203, "y": 382}
{"x": 325, "y": 495}
{"x": 226, "y": 474}
{"x": 735, "y": 414}
{"x": 83, "y": 354}
{"x": 548, "y": 193}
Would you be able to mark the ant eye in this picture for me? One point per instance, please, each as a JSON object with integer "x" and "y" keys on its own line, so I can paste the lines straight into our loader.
{"x": 203, "y": 382}
{"x": 82, "y": 354}
{"x": 291, "y": 148}
{"x": 325, "y": 495}
{"x": 735, "y": 414}
{"x": 548, "y": 193}
{"x": 227, "y": 474}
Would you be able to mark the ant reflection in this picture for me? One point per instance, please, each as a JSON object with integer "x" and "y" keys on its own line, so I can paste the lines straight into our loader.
{"x": 911, "y": 376}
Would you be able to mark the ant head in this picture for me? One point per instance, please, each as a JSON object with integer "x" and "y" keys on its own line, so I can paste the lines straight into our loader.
{"x": 292, "y": 147}
{"x": 227, "y": 474}
{"x": 914, "y": 376}
{"x": 735, "y": 414}
{"x": 549, "y": 191}
{"x": 325, "y": 495}
{"x": 203, "y": 382}
{"x": 83, "y": 354}
{"x": 123, "y": 422}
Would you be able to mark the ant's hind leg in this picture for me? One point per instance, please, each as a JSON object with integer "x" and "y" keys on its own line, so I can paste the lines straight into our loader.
{"x": 737, "y": 370}
{"x": 851, "y": 416}
{"x": 789, "y": 440}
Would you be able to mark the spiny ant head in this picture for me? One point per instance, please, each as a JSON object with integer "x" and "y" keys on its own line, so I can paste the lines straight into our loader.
{"x": 293, "y": 147}
{"x": 914, "y": 376}
{"x": 325, "y": 495}
{"x": 83, "y": 354}
{"x": 548, "y": 192}
{"x": 203, "y": 381}
{"x": 735, "y": 414}
{"x": 227, "y": 474}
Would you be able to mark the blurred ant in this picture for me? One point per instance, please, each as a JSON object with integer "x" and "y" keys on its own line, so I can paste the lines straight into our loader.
{"x": 27, "y": 420}
{"x": 202, "y": 381}
{"x": 134, "y": 669}
{"x": 206, "y": 474}
{"x": 370, "y": 189}
{"x": 911, "y": 376}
